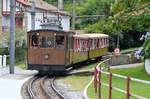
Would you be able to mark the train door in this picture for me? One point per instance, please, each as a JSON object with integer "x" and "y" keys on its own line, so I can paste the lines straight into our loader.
{"x": 60, "y": 49}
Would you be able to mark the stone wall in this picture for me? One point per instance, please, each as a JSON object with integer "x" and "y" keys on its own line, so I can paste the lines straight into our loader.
{"x": 122, "y": 59}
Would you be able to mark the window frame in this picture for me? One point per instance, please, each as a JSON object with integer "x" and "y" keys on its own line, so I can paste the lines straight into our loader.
{"x": 47, "y": 46}
{"x": 64, "y": 46}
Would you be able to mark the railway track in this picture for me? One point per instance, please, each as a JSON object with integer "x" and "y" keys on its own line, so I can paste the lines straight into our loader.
{"x": 29, "y": 89}
{"x": 43, "y": 88}
{"x": 40, "y": 87}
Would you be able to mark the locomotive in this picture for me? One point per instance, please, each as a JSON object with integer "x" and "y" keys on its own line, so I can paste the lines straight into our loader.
{"x": 53, "y": 50}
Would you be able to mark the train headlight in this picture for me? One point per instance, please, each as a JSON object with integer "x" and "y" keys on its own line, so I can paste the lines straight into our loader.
{"x": 37, "y": 34}
{"x": 46, "y": 56}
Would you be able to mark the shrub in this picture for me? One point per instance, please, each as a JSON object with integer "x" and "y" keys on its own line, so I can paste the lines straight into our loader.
{"x": 146, "y": 48}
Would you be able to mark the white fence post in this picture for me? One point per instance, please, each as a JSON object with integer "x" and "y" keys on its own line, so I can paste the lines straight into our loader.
{"x": 4, "y": 60}
{"x": 1, "y": 61}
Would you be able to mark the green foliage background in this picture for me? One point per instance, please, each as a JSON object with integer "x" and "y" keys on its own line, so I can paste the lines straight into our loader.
{"x": 146, "y": 47}
{"x": 128, "y": 19}
{"x": 20, "y": 47}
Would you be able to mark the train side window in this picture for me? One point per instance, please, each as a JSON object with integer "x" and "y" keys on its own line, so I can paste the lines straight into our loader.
{"x": 60, "y": 40}
{"x": 47, "y": 42}
{"x": 34, "y": 40}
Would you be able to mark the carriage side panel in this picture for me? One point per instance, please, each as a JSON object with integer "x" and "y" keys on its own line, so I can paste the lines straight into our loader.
{"x": 49, "y": 53}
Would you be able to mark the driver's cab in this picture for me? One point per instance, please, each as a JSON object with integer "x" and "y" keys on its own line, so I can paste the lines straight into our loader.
{"x": 46, "y": 47}
{"x": 47, "y": 41}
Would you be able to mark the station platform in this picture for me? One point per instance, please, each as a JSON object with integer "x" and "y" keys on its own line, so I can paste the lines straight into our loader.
{"x": 10, "y": 84}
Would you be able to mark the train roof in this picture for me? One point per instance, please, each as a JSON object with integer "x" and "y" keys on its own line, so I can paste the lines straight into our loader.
{"x": 51, "y": 30}
{"x": 93, "y": 35}
{"x": 84, "y": 35}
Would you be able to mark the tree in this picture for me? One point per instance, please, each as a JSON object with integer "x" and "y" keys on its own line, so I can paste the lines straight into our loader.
{"x": 128, "y": 18}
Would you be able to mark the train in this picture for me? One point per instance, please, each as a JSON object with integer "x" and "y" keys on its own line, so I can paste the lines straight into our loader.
{"x": 54, "y": 50}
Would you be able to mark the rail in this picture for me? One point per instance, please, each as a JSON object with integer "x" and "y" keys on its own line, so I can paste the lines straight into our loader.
{"x": 44, "y": 87}
{"x": 98, "y": 83}
{"x": 47, "y": 94}
{"x": 31, "y": 94}
{"x": 57, "y": 92}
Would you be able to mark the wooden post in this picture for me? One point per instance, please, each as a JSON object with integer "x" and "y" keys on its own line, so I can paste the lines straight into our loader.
{"x": 99, "y": 89}
{"x": 110, "y": 85}
{"x": 95, "y": 79}
{"x": 128, "y": 88}
{"x": 108, "y": 68}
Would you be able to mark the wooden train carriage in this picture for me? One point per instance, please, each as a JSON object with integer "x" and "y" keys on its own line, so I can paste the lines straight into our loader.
{"x": 98, "y": 45}
{"x": 47, "y": 50}
{"x": 53, "y": 50}
{"x": 88, "y": 46}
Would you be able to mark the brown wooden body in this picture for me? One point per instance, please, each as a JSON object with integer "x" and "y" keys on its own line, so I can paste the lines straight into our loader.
{"x": 61, "y": 51}
{"x": 49, "y": 58}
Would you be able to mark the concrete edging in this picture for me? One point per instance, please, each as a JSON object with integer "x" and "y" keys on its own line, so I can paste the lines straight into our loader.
{"x": 87, "y": 86}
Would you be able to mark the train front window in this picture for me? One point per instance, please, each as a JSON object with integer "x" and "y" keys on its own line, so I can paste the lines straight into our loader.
{"x": 47, "y": 42}
{"x": 60, "y": 40}
{"x": 34, "y": 40}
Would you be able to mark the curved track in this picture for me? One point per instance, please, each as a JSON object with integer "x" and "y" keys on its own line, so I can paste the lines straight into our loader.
{"x": 40, "y": 87}
{"x": 43, "y": 88}
{"x": 29, "y": 88}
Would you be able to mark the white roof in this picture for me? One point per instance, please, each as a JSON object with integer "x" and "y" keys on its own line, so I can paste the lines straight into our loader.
{"x": 93, "y": 35}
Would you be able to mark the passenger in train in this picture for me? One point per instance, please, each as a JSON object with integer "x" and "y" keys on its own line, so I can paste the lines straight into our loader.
{"x": 60, "y": 42}
{"x": 34, "y": 40}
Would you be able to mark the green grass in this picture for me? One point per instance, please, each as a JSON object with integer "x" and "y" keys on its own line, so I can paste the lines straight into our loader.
{"x": 77, "y": 83}
{"x": 20, "y": 57}
{"x": 22, "y": 65}
{"x": 105, "y": 93}
{"x": 136, "y": 88}
{"x": 138, "y": 72}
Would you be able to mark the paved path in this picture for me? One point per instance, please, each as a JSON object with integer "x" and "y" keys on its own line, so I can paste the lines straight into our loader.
{"x": 10, "y": 84}
{"x": 128, "y": 65}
